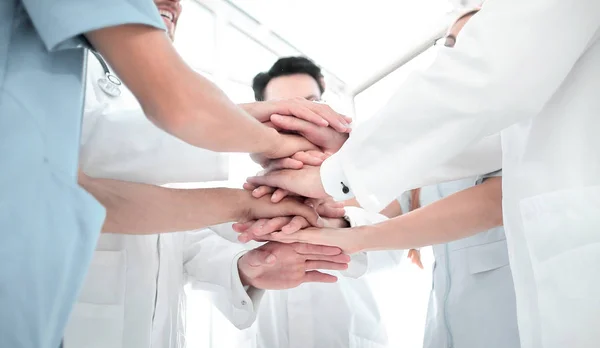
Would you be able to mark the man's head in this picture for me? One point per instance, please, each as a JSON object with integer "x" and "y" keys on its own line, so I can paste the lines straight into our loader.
{"x": 290, "y": 77}
{"x": 169, "y": 11}
{"x": 457, "y": 26}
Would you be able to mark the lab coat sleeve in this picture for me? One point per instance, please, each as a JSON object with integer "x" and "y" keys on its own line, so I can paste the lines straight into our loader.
{"x": 118, "y": 141}
{"x": 210, "y": 263}
{"x": 496, "y": 76}
{"x": 61, "y": 23}
{"x": 373, "y": 261}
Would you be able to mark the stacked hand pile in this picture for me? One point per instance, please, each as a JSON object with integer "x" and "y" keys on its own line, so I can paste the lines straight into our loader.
{"x": 296, "y": 177}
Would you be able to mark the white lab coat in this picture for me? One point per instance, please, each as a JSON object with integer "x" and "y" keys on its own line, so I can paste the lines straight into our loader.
{"x": 472, "y": 301}
{"x": 133, "y": 295}
{"x": 340, "y": 315}
{"x": 536, "y": 80}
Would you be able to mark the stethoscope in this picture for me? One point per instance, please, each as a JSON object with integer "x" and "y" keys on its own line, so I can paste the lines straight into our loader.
{"x": 109, "y": 83}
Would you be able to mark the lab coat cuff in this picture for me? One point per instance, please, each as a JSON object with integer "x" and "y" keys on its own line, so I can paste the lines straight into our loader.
{"x": 334, "y": 180}
{"x": 359, "y": 262}
{"x": 244, "y": 299}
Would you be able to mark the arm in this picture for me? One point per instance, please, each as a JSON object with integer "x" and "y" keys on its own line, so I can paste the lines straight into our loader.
{"x": 457, "y": 216}
{"x": 181, "y": 101}
{"x": 123, "y": 144}
{"x": 145, "y": 209}
{"x": 368, "y": 262}
{"x": 236, "y": 278}
{"x": 492, "y": 79}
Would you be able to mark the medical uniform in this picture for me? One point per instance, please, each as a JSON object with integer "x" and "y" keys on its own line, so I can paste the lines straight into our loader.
{"x": 537, "y": 81}
{"x": 49, "y": 224}
{"x": 340, "y": 315}
{"x": 472, "y": 300}
{"x": 134, "y": 295}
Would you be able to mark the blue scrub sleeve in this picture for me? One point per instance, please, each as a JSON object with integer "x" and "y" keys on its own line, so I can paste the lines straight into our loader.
{"x": 61, "y": 23}
{"x": 482, "y": 178}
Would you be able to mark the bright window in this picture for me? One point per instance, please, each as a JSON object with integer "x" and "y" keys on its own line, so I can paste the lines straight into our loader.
{"x": 195, "y": 36}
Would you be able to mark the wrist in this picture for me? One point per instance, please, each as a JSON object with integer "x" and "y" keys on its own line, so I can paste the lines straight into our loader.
{"x": 363, "y": 236}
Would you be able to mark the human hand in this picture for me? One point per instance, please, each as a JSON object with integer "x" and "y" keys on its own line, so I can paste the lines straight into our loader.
{"x": 297, "y": 161}
{"x": 316, "y": 113}
{"x": 278, "y": 266}
{"x": 256, "y": 230}
{"x": 415, "y": 257}
{"x": 303, "y": 182}
{"x": 249, "y": 208}
{"x": 350, "y": 240}
{"x": 326, "y": 138}
{"x": 285, "y": 145}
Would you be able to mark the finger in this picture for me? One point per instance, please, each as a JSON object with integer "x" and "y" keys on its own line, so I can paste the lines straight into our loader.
{"x": 329, "y": 211}
{"x": 302, "y": 109}
{"x": 311, "y": 265}
{"x": 262, "y": 191}
{"x": 276, "y": 224}
{"x": 272, "y": 125}
{"x": 284, "y": 163}
{"x": 419, "y": 263}
{"x": 305, "y": 157}
{"x": 241, "y": 227}
{"x": 248, "y": 187}
{"x": 313, "y": 249}
{"x": 291, "y": 123}
{"x": 281, "y": 238}
{"x": 341, "y": 258}
{"x": 256, "y": 228}
{"x": 319, "y": 154}
{"x": 258, "y": 257}
{"x": 279, "y": 195}
{"x": 318, "y": 277}
{"x": 336, "y": 121}
{"x": 291, "y": 207}
{"x": 273, "y": 179}
{"x": 296, "y": 224}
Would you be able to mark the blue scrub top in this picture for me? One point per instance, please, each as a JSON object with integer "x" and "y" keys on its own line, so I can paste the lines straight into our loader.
{"x": 48, "y": 224}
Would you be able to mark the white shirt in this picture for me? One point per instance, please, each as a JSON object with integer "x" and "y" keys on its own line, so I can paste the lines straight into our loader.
{"x": 529, "y": 69}
{"x": 340, "y": 315}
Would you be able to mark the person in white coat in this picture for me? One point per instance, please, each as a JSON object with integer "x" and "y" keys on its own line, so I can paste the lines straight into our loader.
{"x": 530, "y": 71}
{"x": 472, "y": 300}
{"x": 339, "y": 315}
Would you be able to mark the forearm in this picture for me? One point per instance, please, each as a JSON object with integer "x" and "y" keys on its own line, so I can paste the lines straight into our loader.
{"x": 176, "y": 98}
{"x": 460, "y": 215}
{"x": 146, "y": 209}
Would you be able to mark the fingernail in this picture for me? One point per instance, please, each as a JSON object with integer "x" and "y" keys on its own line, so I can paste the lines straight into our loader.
{"x": 320, "y": 222}
{"x": 243, "y": 238}
{"x": 270, "y": 258}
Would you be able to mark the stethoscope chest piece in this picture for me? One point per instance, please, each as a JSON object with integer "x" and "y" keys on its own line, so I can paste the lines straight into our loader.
{"x": 110, "y": 85}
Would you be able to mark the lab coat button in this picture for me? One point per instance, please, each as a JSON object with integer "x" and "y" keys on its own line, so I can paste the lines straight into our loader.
{"x": 243, "y": 303}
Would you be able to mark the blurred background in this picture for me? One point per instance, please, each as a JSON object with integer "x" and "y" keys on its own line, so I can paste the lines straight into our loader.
{"x": 366, "y": 49}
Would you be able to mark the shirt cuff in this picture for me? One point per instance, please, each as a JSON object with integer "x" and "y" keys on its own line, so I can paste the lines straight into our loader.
{"x": 245, "y": 299}
{"x": 334, "y": 180}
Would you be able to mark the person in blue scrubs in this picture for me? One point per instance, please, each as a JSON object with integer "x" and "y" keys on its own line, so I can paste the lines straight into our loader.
{"x": 49, "y": 224}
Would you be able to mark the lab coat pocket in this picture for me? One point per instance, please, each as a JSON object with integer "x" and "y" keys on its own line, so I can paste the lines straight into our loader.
{"x": 562, "y": 231}
{"x": 95, "y": 326}
{"x": 487, "y": 257}
{"x": 105, "y": 281}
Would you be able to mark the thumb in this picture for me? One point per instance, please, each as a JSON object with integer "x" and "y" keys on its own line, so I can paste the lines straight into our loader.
{"x": 257, "y": 258}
